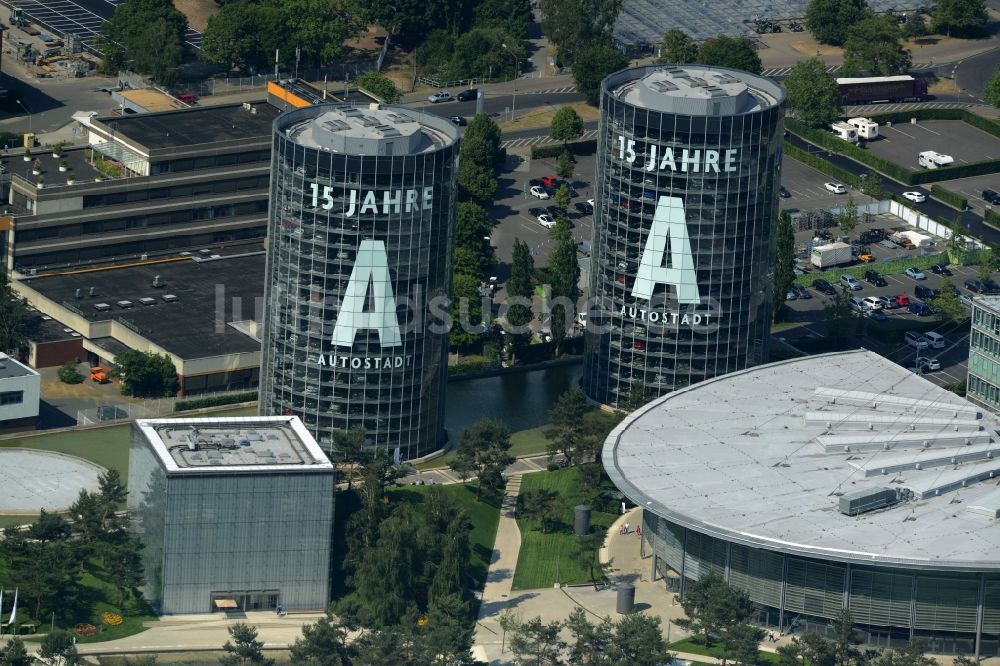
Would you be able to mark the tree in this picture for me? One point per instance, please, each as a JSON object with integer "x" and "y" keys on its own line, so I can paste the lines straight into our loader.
{"x": 914, "y": 26}
{"x": 466, "y": 309}
{"x": 636, "y": 396}
{"x": 349, "y": 448}
{"x": 960, "y": 660}
{"x": 638, "y": 640}
{"x": 484, "y": 451}
{"x": 838, "y": 320}
{"x": 829, "y": 20}
{"x": 14, "y": 654}
{"x": 577, "y": 25}
{"x": 565, "y": 164}
{"x": 871, "y": 184}
{"x": 244, "y": 648}
{"x": 13, "y": 319}
{"x": 987, "y": 264}
{"x": 476, "y": 183}
{"x": 591, "y": 644}
{"x": 742, "y": 642}
{"x": 714, "y": 609}
{"x": 381, "y": 85}
{"x": 592, "y": 64}
{"x": 68, "y": 374}
{"x": 585, "y": 552}
{"x": 478, "y": 157}
{"x": 726, "y": 51}
{"x": 911, "y": 655}
{"x": 473, "y": 228}
{"x": 58, "y": 649}
{"x": 564, "y": 267}
{"x": 962, "y": 17}
{"x": 847, "y": 219}
{"x": 145, "y": 374}
{"x": 873, "y": 45}
{"x": 566, "y": 125}
{"x": 125, "y": 38}
{"x": 519, "y": 314}
{"x": 813, "y": 95}
{"x": 563, "y": 197}
{"x": 992, "y": 90}
{"x": 536, "y": 642}
{"x": 784, "y": 267}
{"x": 320, "y": 27}
{"x": 124, "y": 566}
{"x": 242, "y": 35}
{"x": 542, "y": 505}
{"x": 566, "y": 425}
{"x": 678, "y": 47}
{"x": 946, "y": 304}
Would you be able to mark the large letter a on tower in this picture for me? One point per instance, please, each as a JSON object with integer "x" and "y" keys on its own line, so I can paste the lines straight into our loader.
{"x": 668, "y": 223}
{"x": 370, "y": 268}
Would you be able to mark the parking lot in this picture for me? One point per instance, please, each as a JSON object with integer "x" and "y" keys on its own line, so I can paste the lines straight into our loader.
{"x": 805, "y": 184}
{"x": 972, "y": 189}
{"x": 902, "y": 142}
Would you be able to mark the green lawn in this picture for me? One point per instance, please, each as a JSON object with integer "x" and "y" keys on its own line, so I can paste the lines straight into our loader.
{"x": 522, "y": 443}
{"x": 696, "y": 645}
{"x": 484, "y": 516}
{"x": 546, "y": 559}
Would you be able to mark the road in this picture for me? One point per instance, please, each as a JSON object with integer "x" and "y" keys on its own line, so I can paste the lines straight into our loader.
{"x": 972, "y": 74}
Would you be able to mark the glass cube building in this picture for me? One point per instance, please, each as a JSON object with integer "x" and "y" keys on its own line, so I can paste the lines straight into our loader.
{"x": 984, "y": 353}
{"x": 359, "y": 254}
{"x": 233, "y": 514}
{"x": 684, "y": 224}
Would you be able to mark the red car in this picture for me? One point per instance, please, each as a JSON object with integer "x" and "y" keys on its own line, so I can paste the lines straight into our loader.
{"x": 902, "y": 300}
{"x": 550, "y": 181}
{"x": 626, "y": 280}
{"x": 639, "y": 345}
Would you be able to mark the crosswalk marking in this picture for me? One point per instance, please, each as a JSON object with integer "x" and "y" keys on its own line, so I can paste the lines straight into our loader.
{"x": 903, "y": 106}
{"x": 542, "y": 139}
{"x": 551, "y": 91}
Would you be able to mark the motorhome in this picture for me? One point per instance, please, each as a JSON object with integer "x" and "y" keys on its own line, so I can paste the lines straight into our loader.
{"x": 845, "y": 131}
{"x": 932, "y": 160}
{"x": 866, "y": 127}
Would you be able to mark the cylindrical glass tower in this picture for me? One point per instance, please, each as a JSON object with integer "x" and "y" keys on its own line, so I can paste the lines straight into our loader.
{"x": 359, "y": 262}
{"x": 684, "y": 222}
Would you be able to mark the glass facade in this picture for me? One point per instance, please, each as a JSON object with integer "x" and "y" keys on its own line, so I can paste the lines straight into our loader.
{"x": 261, "y": 539}
{"x": 684, "y": 224}
{"x": 360, "y": 231}
{"x": 953, "y": 612}
{"x": 984, "y": 353}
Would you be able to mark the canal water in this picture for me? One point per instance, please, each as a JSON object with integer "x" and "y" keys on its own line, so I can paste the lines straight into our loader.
{"x": 522, "y": 400}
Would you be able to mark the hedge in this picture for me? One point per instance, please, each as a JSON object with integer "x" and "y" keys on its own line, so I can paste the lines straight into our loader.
{"x": 554, "y": 149}
{"x": 893, "y": 170}
{"x": 951, "y": 198}
{"x": 992, "y": 217}
{"x": 822, "y": 165}
{"x": 215, "y": 401}
{"x": 894, "y": 267}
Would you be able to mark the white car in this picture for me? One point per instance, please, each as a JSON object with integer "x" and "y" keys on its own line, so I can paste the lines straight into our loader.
{"x": 926, "y": 364}
{"x": 915, "y": 273}
{"x": 836, "y": 188}
{"x": 440, "y": 96}
{"x": 539, "y": 191}
{"x": 915, "y": 197}
{"x": 546, "y": 221}
{"x": 916, "y": 340}
{"x": 591, "y": 202}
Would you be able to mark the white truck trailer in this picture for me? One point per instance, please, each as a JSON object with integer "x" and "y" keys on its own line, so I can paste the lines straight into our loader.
{"x": 832, "y": 254}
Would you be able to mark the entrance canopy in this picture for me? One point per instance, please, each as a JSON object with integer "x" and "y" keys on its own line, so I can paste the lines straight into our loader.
{"x": 225, "y": 604}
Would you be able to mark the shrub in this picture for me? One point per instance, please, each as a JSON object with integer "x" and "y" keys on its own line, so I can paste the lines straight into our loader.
{"x": 586, "y": 147}
{"x": 992, "y": 217}
{"x": 215, "y": 401}
{"x": 552, "y": 467}
{"x": 68, "y": 374}
{"x": 951, "y": 198}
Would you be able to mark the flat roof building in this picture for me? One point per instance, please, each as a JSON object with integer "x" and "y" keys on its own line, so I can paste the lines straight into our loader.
{"x": 359, "y": 247}
{"x": 20, "y": 394}
{"x": 983, "y": 384}
{"x": 834, "y": 481}
{"x": 233, "y": 513}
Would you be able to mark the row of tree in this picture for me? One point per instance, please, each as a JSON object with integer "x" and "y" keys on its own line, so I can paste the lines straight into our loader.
{"x": 835, "y": 21}
{"x": 723, "y": 51}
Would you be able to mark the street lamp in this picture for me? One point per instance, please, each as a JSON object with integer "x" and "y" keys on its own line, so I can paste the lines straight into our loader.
{"x": 517, "y": 74}
{"x": 21, "y": 104}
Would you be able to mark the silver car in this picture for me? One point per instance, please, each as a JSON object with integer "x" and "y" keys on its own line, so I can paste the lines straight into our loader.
{"x": 439, "y": 96}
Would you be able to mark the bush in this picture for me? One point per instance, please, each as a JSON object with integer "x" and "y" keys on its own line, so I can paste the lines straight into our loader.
{"x": 68, "y": 374}
{"x": 992, "y": 217}
{"x": 552, "y": 467}
{"x": 554, "y": 150}
{"x": 379, "y": 85}
{"x": 951, "y": 198}
{"x": 215, "y": 401}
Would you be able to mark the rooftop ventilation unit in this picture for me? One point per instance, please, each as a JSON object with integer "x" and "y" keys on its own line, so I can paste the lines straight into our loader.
{"x": 698, "y": 82}
{"x": 335, "y": 125}
{"x": 79, "y": 293}
{"x": 168, "y": 298}
{"x": 868, "y": 499}
{"x": 67, "y": 330}
{"x": 102, "y": 307}
{"x": 147, "y": 300}
{"x": 715, "y": 91}
{"x": 158, "y": 283}
{"x": 124, "y": 304}
{"x": 725, "y": 78}
{"x": 93, "y": 291}
{"x": 663, "y": 86}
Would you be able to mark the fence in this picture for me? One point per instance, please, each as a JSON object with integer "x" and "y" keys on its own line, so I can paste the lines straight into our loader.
{"x": 236, "y": 84}
{"x": 145, "y": 409}
{"x": 911, "y": 217}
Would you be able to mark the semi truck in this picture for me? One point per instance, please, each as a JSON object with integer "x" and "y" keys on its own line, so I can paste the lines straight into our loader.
{"x": 876, "y": 89}
{"x": 932, "y": 160}
{"x": 866, "y": 127}
{"x": 832, "y": 254}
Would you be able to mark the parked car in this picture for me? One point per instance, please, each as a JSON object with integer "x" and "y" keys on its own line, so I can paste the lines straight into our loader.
{"x": 584, "y": 207}
{"x": 975, "y": 286}
{"x": 902, "y": 300}
{"x": 458, "y": 120}
{"x": 991, "y": 287}
{"x": 539, "y": 191}
{"x": 875, "y": 278}
{"x": 991, "y": 196}
{"x": 783, "y": 192}
{"x": 874, "y": 302}
{"x": 857, "y": 303}
{"x": 925, "y": 293}
{"x": 439, "y": 96}
{"x": 803, "y": 293}
{"x": 915, "y": 273}
{"x": 925, "y": 364}
{"x": 824, "y": 287}
{"x": 915, "y": 197}
{"x": 550, "y": 181}
{"x": 546, "y": 221}
{"x": 888, "y": 303}
{"x": 919, "y": 308}
{"x": 792, "y": 294}
{"x": 941, "y": 269}
{"x": 876, "y": 315}
{"x": 934, "y": 340}
{"x": 468, "y": 95}
{"x": 850, "y": 282}
{"x": 916, "y": 340}
{"x": 836, "y": 188}
{"x": 966, "y": 300}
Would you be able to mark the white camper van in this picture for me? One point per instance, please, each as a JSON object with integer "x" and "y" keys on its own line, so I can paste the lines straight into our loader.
{"x": 866, "y": 127}
{"x": 932, "y": 160}
{"x": 845, "y": 131}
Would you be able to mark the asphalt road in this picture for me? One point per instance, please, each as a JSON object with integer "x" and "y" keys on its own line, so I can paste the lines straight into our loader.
{"x": 499, "y": 103}
{"x": 972, "y": 74}
{"x": 932, "y": 207}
